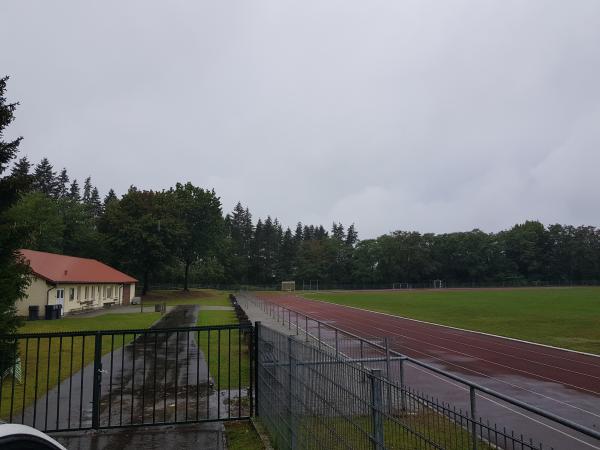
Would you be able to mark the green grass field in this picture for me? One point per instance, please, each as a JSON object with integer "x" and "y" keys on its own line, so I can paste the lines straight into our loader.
{"x": 228, "y": 370}
{"x": 562, "y": 317}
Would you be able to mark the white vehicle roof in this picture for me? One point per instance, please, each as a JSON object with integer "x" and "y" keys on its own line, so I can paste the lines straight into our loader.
{"x": 9, "y": 429}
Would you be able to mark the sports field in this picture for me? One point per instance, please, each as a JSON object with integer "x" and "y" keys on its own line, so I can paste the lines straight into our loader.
{"x": 562, "y": 317}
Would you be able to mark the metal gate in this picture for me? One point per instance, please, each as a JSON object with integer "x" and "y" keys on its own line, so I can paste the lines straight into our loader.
{"x": 119, "y": 378}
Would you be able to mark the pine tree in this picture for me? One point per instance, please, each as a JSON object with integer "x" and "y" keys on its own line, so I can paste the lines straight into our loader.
{"x": 13, "y": 270}
{"x": 110, "y": 197}
{"x": 298, "y": 235}
{"x": 95, "y": 204}
{"x": 21, "y": 174}
{"x": 44, "y": 178}
{"x": 62, "y": 184}
{"x": 337, "y": 232}
{"x": 351, "y": 236}
{"x": 74, "y": 193}
{"x": 87, "y": 191}
{"x": 22, "y": 168}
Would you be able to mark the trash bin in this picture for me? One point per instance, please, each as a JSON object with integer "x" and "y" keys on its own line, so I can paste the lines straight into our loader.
{"x": 52, "y": 312}
{"x": 49, "y": 312}
{"x": 34, "y": 312}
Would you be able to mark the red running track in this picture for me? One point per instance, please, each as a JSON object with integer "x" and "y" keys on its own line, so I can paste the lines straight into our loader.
{"x": 564, "y": 382}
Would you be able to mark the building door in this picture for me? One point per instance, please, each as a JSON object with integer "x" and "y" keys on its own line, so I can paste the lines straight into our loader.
{"x": 126, "y": 291}
{"x": 60, "y": 300}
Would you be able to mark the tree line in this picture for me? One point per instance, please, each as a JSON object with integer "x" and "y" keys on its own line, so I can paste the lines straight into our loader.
{"x": 181, "y": 235}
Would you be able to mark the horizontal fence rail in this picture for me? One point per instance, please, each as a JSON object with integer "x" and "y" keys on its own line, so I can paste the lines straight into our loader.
{"x": 105, "y": 379}
{"x": 482, "y": 405}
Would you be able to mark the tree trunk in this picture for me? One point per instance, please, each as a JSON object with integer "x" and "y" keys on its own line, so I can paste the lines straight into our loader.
{"x": 185, "y": 279}
{"x": 145, "y": 287}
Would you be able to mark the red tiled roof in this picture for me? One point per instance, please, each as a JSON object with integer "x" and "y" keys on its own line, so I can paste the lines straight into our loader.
{"x": 70, "y": 269}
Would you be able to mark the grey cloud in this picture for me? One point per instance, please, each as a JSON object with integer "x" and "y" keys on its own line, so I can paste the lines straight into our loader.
{"x": 429, "y": 115}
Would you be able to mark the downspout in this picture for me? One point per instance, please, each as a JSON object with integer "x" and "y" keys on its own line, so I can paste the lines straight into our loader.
{"x": 48, "y": 294}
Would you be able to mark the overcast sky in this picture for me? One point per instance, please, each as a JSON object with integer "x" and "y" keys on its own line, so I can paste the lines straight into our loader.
{"x": 427, "y": 115}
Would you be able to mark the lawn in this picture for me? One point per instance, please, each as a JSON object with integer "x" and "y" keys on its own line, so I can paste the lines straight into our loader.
{"x": 226, "y": 351}
{"x": 207, "y": 297}
{"x": 562, "y": 317}
{"x": 60, "y": 357}
{"x": 242, "y": 436}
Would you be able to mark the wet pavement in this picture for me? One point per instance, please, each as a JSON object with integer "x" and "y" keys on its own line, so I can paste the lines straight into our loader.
{"x": 205, "y": 436}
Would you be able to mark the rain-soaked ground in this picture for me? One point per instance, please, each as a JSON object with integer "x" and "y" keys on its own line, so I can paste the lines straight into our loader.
{"x": 160, "y": 377}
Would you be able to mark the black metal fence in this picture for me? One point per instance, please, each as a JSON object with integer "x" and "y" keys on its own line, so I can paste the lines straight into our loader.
{"x": 68, "y": 381}
{"x": 311, "y": 399}
{"x": 475, "y": 405}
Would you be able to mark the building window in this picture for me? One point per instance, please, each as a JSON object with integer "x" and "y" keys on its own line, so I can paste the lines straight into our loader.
{"x": 93, "y": 292}
{"x": 60, "y": 294}
{"x": 86, "y": 293}
{"x": 109, "y": 291}
{"x": 78, "y": 292}
{"x": 71, "y": 294}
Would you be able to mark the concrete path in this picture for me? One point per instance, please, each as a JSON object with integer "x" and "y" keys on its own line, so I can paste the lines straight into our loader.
{"x": 205, "y": 436}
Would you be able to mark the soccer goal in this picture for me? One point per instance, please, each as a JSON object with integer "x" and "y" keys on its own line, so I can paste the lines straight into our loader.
{"x": 438, "y": 284}
{"x": 288, "y": 286}
{"x": 401, "y": 286}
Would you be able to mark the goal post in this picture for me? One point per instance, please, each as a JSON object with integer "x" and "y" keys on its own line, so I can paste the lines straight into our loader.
{"x": 438, "y": 284}
{"x": 396, "y": 286}
{"x": 288, "y": 286}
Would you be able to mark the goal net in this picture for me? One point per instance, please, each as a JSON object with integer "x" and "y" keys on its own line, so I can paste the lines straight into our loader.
{"x": 288, "y": 285}
{"x": 438, "y": 284}
{"x": 401, "y": 286}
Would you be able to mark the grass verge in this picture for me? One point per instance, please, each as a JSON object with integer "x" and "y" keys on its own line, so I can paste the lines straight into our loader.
{"x": 242, "y": 436}
{"x": 226, "y": 351}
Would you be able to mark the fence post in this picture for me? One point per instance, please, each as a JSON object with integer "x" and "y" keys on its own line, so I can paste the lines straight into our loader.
{"x": 251, "y": 368}
{"x": 388, "y": 374}
{"x": 376, "y": 409}
{"x": 306, "y": 327}
{"x": 402, "y": 388}
{"x": 473, "y": 415}
{"x": 319, "y": 333}
{"x": 257, "y": 326}
{"x": 292, "y": 376}
{"x": 97, "y": 380}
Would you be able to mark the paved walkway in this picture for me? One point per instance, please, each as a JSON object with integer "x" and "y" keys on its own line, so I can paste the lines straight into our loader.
{"x": 256, "y": 314}
{"x": 206, "y": 436}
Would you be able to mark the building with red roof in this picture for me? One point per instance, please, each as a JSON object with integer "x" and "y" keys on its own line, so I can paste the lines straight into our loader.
{"x": 75, "y": 283}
